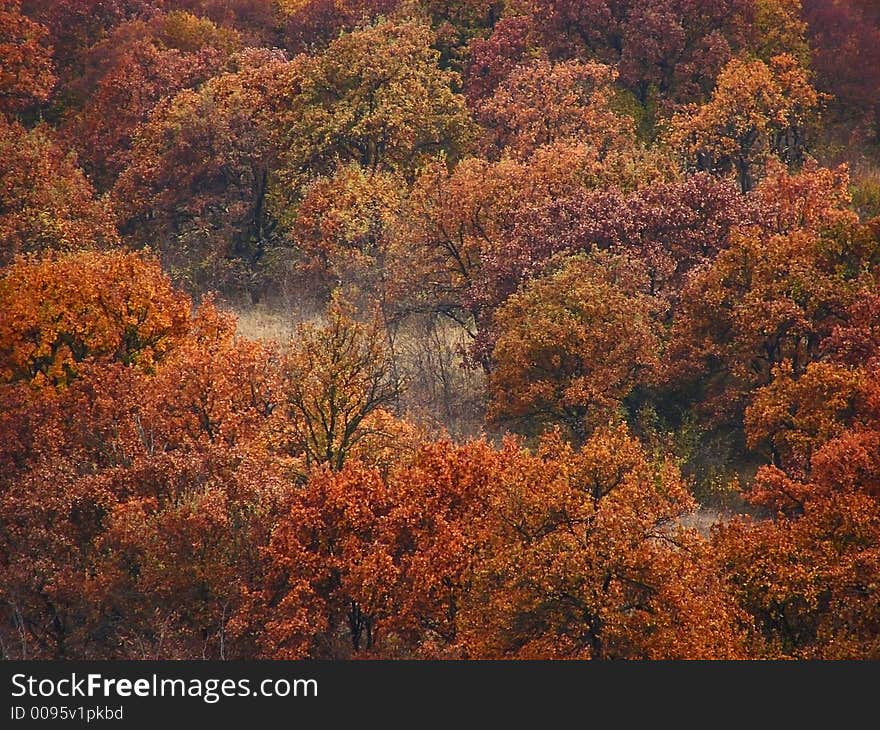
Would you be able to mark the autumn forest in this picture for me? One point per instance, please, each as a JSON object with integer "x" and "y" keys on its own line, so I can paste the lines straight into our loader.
{"x": 439, "y": 329}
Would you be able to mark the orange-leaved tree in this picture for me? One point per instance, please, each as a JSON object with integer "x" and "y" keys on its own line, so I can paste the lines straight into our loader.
{"x": 572, "y": 345}
{"x": 197, "y": 184}
{"x": 764, "y": 300}
{"x": 580, "y": 557}
{"x": 46, "y": 202}
{"x": 757, "y": 111}
{"x": 810, "y": 581}
{"x": 80, "y": 307}
{"x": 125, "y": 466}
{"x": 342, "y": 229}
{"x": 128, "y": 72}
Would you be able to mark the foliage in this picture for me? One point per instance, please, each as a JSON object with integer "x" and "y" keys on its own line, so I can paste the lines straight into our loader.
{"x": 27, "y": 75}
{"x": 541, "y": 104}
{"x": 342, "y": 228}
{"x": 129, "y": 72}
{"x": 336, "y": 376}
{"x": 761, "y": 302}
{"x": 756, "y": 110}
{"x": 46, "y": 203}
{"x": 583, "y": 560}
{"x": 375, "y": 97}
{"x": 572, "y": 346}
{"x": 198, "y": 181}
{"x": 85, "y": 307}
{"x": 635, "y": 241}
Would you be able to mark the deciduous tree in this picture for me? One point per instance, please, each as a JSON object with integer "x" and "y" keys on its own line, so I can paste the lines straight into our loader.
{"x": 544, "y": 103}
{"x": 811, "y": 582}
{"x": 85, "y": 307}
{"x": 46, "y": 202}
{"x": 375, "y": 97}
{"x": 336, "y": 375}
{"x": 671, "y": 48}
{"x": 129, "y": 72}
{"x": 26, "y": 69}
{"x": 310, "y": 25}
{"x": 198, "y": 182}
{"x": 343, "y": 230}
{"x": 122, "y": 468}
{"x": 582, "y": 559}
{"x": 762, "y": 301}
{"x": 845, "y": 39}
{"x": 795, "y": 416}
{"x": 455, "y": 245}
{"x": 757, "y": 110}
{"x": 572, "y": 345}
